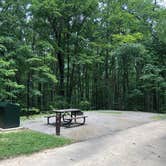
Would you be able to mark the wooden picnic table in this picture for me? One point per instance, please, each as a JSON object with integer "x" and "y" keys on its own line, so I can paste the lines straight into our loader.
{"x": 74, "y": 114}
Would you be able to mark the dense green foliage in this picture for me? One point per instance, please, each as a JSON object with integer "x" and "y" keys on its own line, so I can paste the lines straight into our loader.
{"x": 26, "y": 142}
{"x": 100, "y": 54}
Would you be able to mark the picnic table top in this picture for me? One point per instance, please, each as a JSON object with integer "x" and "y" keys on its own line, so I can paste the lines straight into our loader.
{"x": 67, "y": 110}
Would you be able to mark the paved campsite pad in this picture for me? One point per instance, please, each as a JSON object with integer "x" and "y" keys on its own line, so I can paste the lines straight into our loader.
{"x": 99, "y": 123}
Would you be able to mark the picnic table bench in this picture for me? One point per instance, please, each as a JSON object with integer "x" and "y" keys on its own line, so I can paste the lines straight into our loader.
{"x": 75, "y": 118}
{"x": 48, "y": 118}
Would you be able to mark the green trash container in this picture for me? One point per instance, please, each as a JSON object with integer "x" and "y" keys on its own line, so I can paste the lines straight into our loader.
{"x": 9, "y": 115}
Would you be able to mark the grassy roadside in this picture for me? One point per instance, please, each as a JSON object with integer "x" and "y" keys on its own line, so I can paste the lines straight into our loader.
{"x": 32, "y": 117}
{"x": 26, "y": 142}
{"x": 111, "y": 112}
{"x": 160, "y": 117}
{"x": 105, "y": 111}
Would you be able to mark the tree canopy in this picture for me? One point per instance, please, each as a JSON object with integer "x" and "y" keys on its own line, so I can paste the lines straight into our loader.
{"x": 93, "y": 54}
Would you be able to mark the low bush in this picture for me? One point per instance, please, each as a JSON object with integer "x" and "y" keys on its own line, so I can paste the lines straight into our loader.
{"x": 30, "y": 111}
{"x": 84, "y": 105}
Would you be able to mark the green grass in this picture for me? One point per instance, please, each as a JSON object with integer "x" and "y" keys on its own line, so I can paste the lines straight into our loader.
{"x": 160, "y": 117}
{"x": 32, "y": 117}
{"x": 110, "y": 112}
{"x": 26, "y": 142}
{"x": 104, "y": 111}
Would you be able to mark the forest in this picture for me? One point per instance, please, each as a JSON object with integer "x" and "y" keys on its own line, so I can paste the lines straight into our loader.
{"x": 88, "y": 54}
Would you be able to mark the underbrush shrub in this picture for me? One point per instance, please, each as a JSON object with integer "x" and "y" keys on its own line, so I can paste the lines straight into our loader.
{"x": 30, "y": 111}
{"x": 84, "y": 105}
{"x": 59, "y": 103}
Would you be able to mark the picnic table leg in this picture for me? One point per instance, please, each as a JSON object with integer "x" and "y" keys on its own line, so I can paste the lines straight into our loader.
{"x": 58, "y": 123}
{"x": 48, "y": 120}
{"x": 75, "y": 114}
